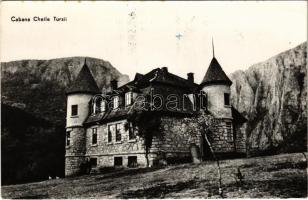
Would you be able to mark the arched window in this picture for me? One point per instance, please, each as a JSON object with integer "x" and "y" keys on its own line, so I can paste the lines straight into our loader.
{"x": 115, "y": 102}
{"x": 98, "y": 106}
{"x": 103, "y": 106}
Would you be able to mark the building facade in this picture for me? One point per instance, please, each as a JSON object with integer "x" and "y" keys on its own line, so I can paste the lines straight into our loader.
{"x": 97, "y": 121}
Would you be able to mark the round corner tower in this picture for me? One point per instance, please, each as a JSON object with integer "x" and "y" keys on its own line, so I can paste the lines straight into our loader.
{"x": 216, "y": 85}
{"x": 79, "y": 95}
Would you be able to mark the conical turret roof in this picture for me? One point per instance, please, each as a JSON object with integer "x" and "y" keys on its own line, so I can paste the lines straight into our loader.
{"x": 84, "y": 83}
{"x": 215, "y": 74}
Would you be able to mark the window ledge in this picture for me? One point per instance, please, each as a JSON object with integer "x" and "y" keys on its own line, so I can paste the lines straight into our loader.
{"x": 132, "y": 140}
{"x": 74, "y": 116}
{"x": 118, "y": 142}
{"x": 94, "y": 145}
{"x": 109, "y": 143}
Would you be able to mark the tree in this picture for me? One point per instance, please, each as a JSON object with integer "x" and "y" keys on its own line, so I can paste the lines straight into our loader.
{"x": 145, "y": 124}
{"x": 206, "y": 123}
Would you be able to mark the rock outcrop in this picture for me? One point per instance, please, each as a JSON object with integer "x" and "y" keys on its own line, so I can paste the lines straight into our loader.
{"x": 272, "y": 95}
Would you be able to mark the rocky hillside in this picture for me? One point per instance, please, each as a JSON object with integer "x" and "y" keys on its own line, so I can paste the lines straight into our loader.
{"x": 38, "y": 86}
{"x": 273, "y": 97}
{"x": 33, "y": 113}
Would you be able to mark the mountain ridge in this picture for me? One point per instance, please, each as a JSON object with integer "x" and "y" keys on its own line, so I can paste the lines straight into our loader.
{"x": 30, "y": 78}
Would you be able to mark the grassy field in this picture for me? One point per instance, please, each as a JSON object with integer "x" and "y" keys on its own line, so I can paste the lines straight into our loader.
{"x": 282, "y": 176}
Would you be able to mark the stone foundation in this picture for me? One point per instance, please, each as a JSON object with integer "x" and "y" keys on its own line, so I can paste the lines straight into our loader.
{"x": 72, "y": 165}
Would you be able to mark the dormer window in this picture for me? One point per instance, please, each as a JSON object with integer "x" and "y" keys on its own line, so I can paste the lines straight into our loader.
{"x": 97, "y": 106}
{"x": 115, "y": 102}
{"x": 128, "y": 98}
{"x": 103, "y": 106}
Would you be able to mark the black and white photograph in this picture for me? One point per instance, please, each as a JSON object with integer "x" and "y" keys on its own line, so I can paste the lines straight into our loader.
{"x": 153, "y": 99}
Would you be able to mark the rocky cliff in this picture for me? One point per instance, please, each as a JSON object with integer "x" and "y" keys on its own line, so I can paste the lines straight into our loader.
{"x": 272, "y": 95}
{"x": 38, "y": 86}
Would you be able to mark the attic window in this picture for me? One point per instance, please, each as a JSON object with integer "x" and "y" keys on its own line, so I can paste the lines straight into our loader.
{"x": 74, "y": 110}
{"x": 227, "y": 99}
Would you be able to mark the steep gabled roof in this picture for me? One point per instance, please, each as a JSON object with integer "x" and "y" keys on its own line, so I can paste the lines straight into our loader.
{"x": 160, "y": 76}
{"x": 84, "y": 83}
{"x": 215, "y": 74}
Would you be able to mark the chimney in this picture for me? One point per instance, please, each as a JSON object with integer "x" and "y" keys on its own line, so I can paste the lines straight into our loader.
{"x": 164, "y": 69}
{"x": 190, "y": 77}
{"x": 114, "y": 84}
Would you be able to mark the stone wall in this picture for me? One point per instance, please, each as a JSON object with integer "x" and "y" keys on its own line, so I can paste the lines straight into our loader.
{"x": 178, "y": 135}
{"x": 72, "y": 164}
{"x": 222, "y": 137}
{"x": 74, "y": 154}
{"x": 105, "y": 151}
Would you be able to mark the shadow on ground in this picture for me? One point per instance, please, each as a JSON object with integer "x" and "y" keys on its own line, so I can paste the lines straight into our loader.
{"x": 158, "y": 191}
{"x": 127, "y": 172}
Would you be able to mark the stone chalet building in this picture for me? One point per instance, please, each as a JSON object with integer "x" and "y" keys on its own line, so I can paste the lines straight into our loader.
{"x": 95, "y": 127}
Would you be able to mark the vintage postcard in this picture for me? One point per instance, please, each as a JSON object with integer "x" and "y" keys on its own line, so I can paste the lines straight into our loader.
{"x": 153, "y": 99}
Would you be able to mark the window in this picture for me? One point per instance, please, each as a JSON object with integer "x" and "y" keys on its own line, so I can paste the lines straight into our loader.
{"x": 98, "y": 106}
{"x": 94, "y": 136}
{"x": 93, "y": 162}
{"x": 118, "y": 161}
{"x": 132, "y": 161}
{"x": 131, "y": 133}
{"x": 203, "y": 100}
{"x": 128, "y": 98}
{"x": 115, "y": 102}
{"x": 103, "y": 106}
{"x": 110, "y": 128}
{"x": 227, "y": 99}
{"x": 74, "y": 110}
{"x": 118, "y": 132}
{"x": 68, "y": 138}
{"x": 229, "y": 131}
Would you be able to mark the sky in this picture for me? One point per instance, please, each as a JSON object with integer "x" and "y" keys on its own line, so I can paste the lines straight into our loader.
{"x": 140, "y": 36}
